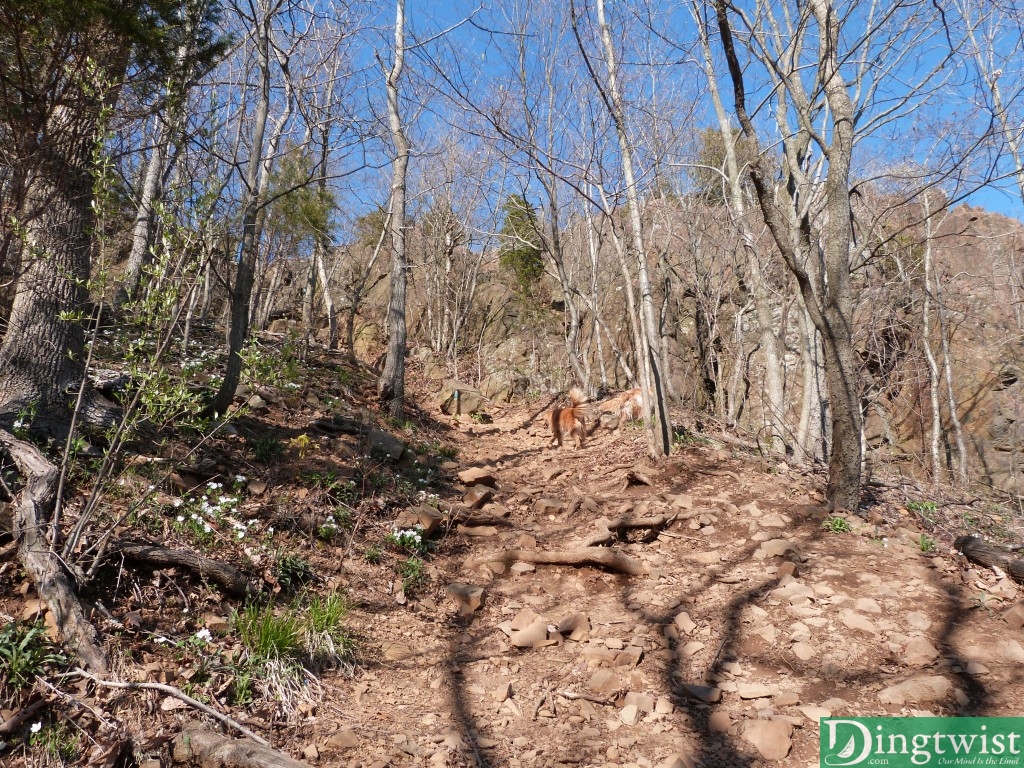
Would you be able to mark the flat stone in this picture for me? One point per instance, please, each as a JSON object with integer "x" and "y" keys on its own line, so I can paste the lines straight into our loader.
{"x": 467, "y": 597}
{"x": 604, "y": 681}
{"x": 346, "y": 738}
{"x": 775, "y": 548}
{"x": 575, "y": 626}
{"x": 772, "y": 738}
{"x": 1012, "y": 651}
{"x": 719, "y": 722}
{"x": 521, "y": 568}
{"x": 803, "y": 651}
{"x": 477, "y": 496}
{"x": 976, "y": 668}
{"x": 704, "y": 693}
{"x": 714, "y": 557}
{"x": 478, "y": 476}
{"x": 868, "y": 605}
{"x": 920, "y": 652}
{"x": 692, "y": 647}
{"x": 1015, "y": 616}
{"x": 918, "y": 620}
{"x": 629, "y": 714}
{"x": 815, "y": 713}
{"x": 256, "y": 402}
{"x": 787, "y": 699}
{"x": 753, "y": 690}
{"x": 421, "y": 516}
{"x": 644, "y": 702}
{"x": 684, "y": 622}
{"x": 630, "y": 657}
{"x": 677, "y": 760}
{"x": 664, "y": 706}
{"x": 548, "y": 507}
{"x": 772, "y": 521}
{"x": 381, "y": 443}
{"x": 916, "y": 690}
{"x": 854, "y": 620}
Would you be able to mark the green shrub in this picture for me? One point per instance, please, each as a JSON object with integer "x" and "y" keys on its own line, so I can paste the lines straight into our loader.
{"x": 25, "y": 653}
{"x": 836, "y": 524}
{"x": 292, "y": 571}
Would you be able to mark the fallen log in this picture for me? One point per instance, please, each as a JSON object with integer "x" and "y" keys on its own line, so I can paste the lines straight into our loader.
{"x": 977, "y": 550}
{"x": 229, "y": 577}
{"x": 33, "y": 506}
{"x": 200, "y": 746}
{"x": 601, "y": 557}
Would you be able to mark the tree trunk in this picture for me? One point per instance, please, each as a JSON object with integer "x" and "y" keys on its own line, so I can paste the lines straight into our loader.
{"x": 655, "y": 406}
{"x": 830, "y": 300}
{"x": 947, "y": 367}
{"x": 933, "y": 367}
{"x": 41, "y": 359}
{"x": 391, "y": 387}
{"x": 142, "y": 236}
{"x": 256, "y": 181}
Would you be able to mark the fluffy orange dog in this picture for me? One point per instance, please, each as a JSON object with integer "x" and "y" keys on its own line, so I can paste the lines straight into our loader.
{"x": 629, "y": 405}
{"x": 571, "y": 419}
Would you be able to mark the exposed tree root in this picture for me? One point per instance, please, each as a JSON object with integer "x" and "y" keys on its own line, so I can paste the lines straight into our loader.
{"x": 32, "y": 508}
{"x": 229, "y": 577}
{"x": 610, "y": 530}
{"x": 980, "y": 551}
{"x": 200, "y": 746}
{"x": 602, "y": 557}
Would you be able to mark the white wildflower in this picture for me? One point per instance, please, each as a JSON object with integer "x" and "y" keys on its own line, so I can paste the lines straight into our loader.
{"x": 37, "y": 727}
{"x": 204, "y": 635}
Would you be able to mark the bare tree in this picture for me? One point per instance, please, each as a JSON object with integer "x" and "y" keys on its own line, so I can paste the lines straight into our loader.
{"x": 823, "y": 100}
{"x": 655, "y": 405}
{"x": 391, "y": 387}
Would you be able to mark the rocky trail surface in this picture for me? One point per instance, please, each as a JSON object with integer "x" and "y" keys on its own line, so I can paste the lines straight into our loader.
{"x": 720, "y": 622}
{"x": 576, "y": 607}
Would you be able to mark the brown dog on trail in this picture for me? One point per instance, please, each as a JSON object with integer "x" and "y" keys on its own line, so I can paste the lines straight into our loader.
{"x": 569, "y": 420}
{"x": 628, "y": 405}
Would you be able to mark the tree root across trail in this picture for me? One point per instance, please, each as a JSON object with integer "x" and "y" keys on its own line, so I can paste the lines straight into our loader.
{"x": 602, "y": 557}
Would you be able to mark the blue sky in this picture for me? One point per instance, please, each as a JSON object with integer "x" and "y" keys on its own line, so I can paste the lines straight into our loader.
{"x": 479, "y": 52}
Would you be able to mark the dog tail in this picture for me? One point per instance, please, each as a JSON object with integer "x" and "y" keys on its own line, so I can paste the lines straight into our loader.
{"x": 578, "y": 397}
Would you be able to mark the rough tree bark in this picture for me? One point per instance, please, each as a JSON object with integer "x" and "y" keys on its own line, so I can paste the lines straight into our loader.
{"x": 41, "y": 359}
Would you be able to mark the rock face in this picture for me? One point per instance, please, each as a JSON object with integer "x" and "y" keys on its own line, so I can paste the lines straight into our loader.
{"x": 978, "y": 284}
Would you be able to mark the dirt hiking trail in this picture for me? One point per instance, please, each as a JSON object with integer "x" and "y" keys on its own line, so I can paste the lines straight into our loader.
{"x": 727, "y": 623}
